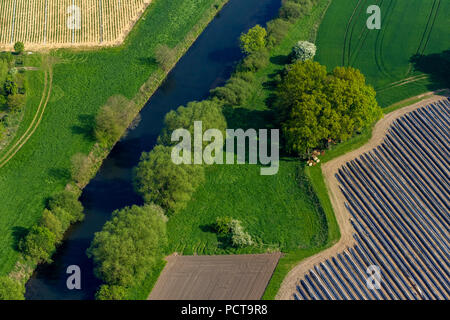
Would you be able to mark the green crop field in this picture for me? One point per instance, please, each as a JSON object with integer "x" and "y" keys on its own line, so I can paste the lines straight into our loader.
{"x": 408, "y": 28}
{"x": 82, "y": 83}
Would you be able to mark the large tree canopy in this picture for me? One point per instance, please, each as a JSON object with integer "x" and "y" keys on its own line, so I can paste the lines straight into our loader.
{"x": 314, "y": 106}
{"x": 158, "y": 179}
{"x": 129, "y": 244}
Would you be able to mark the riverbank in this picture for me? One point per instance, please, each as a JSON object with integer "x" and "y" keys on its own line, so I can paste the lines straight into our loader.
{"x": 56, "y": 163}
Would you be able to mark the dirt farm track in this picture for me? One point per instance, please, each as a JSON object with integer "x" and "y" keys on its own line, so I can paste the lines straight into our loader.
{"x": 44, "y": 24}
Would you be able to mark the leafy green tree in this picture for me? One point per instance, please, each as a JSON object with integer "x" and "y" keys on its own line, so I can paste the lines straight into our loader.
{"x": 291, "y": 11}
{"x": 19, "y": 47}
{"x": 277, "y": 29}
{"x": 67, "y": 201}
{"x": 302, "y": 78}
{"x": 107, "y": 292}
{"x": 82, "y": 169}
{"x": 39, "y": 244}
{"x": 113, "y": 119}
{"x": 315, "y": 107}
{"x": 16, "y": 101}
{"x": 52, "y": 223}
{"x": 161, "y": 181}
{"x": 11, "y": 289}
{"x": 165, "y": 56}
{"x": 254, "y": 40}
{"x": 11, "y": 87}
{"x": 207, "y": 111}
{"x": 129, "y": 245}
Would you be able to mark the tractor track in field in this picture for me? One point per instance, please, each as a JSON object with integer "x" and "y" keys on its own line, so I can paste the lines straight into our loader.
{"x": 380, "y": 40}
{"x": 403, "y": 82}
{"x": 12, "y": 151}
{"x": 346, "y": 31}
{"x": 427, "y": 32}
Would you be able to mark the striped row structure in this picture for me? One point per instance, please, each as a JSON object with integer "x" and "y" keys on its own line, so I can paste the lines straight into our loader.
{"x": 398, "y": 198}
{"x": 59, "y": 23}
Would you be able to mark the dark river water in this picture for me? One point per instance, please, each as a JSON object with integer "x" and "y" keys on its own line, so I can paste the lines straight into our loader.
{"x": 207, "y": 64}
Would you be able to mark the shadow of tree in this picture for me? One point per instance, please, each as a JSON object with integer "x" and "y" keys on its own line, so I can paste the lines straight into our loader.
{"x": 437, "y": 65}
{"x": 18, "y": 234}
{"x": 86, "y": 126}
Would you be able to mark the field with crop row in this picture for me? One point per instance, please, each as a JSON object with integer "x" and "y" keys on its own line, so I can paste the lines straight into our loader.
{"x": 55, "y": 23}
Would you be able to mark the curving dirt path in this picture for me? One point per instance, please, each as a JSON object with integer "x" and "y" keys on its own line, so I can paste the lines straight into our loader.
{"x": 12, "y": 151}
{"x": 337, "y": 198}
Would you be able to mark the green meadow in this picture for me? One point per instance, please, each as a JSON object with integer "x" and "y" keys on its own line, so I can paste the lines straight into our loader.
{"x": 408, "y": 28}
{"x": 82, "y": 83}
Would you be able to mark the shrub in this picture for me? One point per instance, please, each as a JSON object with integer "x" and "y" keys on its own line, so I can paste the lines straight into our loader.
{"x": 107, "y": 292}
{"x": 39, "y": 244}
{"x": 233, "y": 232}
{"x": 67, "y": 201}
{"x": 165, "y": 56}
{"x": 19, "y": 47}
{"x": 254, "y": 40}
{"x": 239, "y": 238}
{"x": 128, "y": 246}
{"x": 11, "y": 289}
{"x": 113, "y": 119}
{"x": 277, "y": 29}
{"x": 303, "y": 51}
{"x": 290, "y": 11}
{"x": 207, "y": 111}
{"x": 255, "y": 61}
{"x": 52, "y": 223}
{"x": 223, "y": 225}
{"x": 82, "y": 169}
{"x": 235, "y": 92}
{"x": 16, "y": 101}
{"x": 161, "y": 181}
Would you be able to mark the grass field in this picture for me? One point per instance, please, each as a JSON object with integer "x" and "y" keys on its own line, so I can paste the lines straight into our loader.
{"x": 281, "y": 211}
{"x": 82, "y": 83}
{"x": 409, "y": 27}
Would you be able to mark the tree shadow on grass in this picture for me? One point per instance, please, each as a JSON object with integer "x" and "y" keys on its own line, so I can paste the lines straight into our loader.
{"x": 18, "y": 234}
{"x": 86, "y": 126}
{"x": 437, "y": 65}
{"x": 59, "y": 173}
{"x": 242, "y": 118}
{"x": 280, "y": 60}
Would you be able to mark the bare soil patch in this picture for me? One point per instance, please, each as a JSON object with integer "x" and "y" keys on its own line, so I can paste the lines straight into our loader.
{"x": 223, "y": 277}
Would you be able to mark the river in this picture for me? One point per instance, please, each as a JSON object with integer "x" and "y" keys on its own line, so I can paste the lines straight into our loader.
{"x": 207, "y": 64}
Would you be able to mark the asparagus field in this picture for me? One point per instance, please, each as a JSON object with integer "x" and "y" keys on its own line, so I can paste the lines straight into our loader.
{"x": 62, "y": 23}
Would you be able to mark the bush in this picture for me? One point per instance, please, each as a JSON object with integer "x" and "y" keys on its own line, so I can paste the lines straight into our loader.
{"x": 52, "y": 223}
{"x": 235, "y": 92}
{"x": 19, "y": 47}
{"x": 239, "y": 238}
{"x": 303, "y": 51}
{"x": 11, "y": 289}
{"x": 113, "y": 119}
{"x": 161, "y": 181}
{"x": 82, "y": 169}
{"x": 107, "y": 292}
{"x": 16, "y": 101}
{"x": 128, "y": 246}
{"x": 165, "y": 56}
{"x": 223, "y": 225}
{"x": 233, "y": 232}
{"x": 67, "y": 201}
{"x": 207, "y": 111}
{"x": 290, "y": 11}
{"x": 254, "y": 40}
{"x": 255, "y": 61}
{"x": 277, "y": 29}
{"x": 39, "y": 244}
